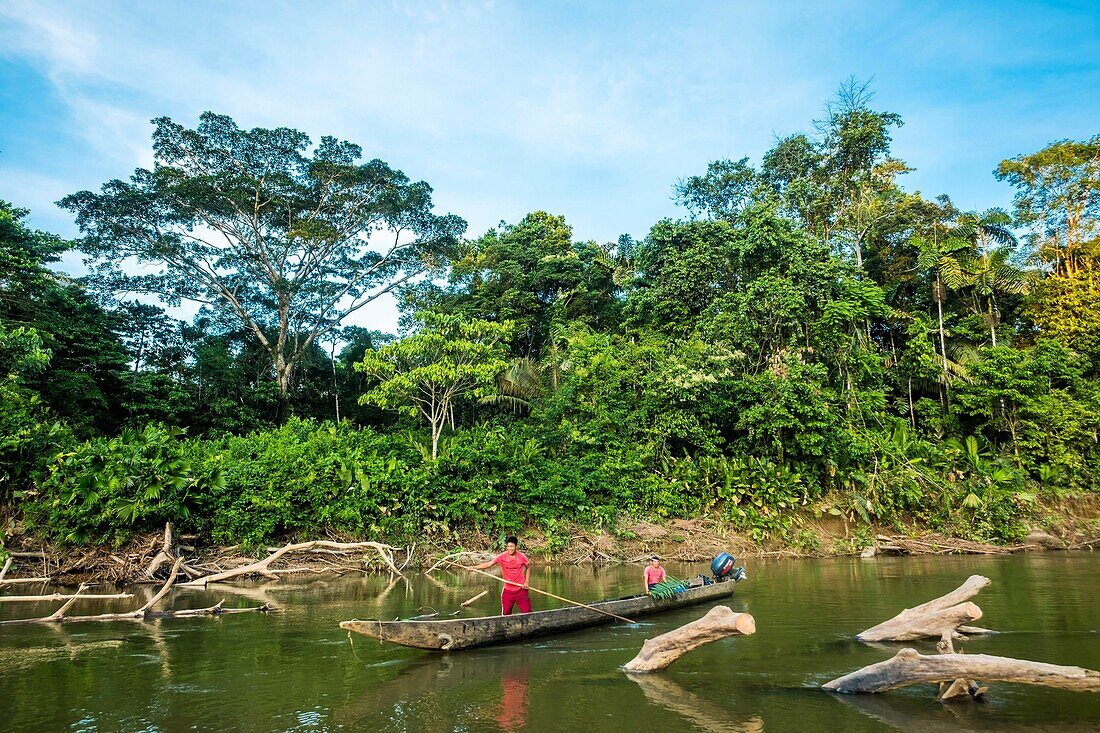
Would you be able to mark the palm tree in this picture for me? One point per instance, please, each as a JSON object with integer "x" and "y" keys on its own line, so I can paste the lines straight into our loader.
{"x": 519, "y": 384}
{"x": 987, "y": 270}
{"x": 939, "y": 254}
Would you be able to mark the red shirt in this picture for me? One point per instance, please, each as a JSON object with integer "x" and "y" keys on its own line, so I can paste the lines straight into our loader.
{"x": 654, "y": 574}
{"x": 512, "y": 568}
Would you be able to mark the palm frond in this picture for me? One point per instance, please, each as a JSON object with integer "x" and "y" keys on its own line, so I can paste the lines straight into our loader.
{"x": 516, "y": 404}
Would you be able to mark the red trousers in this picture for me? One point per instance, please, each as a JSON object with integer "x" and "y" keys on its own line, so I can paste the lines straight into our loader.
{"x": 511, "y": 596}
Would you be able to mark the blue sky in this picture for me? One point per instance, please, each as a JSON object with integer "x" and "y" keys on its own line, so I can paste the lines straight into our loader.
{"x": 591, "y": 110}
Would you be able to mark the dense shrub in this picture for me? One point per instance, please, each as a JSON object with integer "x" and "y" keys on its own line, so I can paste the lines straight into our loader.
{"x": 108, "y": 489}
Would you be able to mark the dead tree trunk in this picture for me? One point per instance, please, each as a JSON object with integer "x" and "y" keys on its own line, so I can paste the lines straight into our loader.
{"x": 62, "y": 597}
{"x": 448, "y": 560}
{"x": 947, "y": 614}
{"x": 908, "y": 667}
{"x": 661, "y": 651}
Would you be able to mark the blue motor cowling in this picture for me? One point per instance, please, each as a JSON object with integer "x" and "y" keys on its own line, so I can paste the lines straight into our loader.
{"x": 723, "y": 568}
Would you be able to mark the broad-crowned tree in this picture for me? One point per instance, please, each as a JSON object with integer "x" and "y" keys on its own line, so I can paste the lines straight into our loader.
{"x": 287, "y": 238}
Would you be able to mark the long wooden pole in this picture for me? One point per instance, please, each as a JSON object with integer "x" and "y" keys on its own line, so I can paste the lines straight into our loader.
{"x": 545, "y": 593}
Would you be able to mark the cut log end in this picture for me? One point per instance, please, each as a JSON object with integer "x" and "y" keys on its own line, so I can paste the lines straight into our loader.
{"x": 932, "y": 620}
{"x": 663, "y": 650}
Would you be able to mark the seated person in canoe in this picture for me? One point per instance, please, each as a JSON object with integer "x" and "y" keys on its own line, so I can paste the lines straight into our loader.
{"x": 653, "y": 574}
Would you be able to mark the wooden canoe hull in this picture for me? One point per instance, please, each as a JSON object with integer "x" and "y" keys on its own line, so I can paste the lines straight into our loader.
{"x": 467, "y": 633}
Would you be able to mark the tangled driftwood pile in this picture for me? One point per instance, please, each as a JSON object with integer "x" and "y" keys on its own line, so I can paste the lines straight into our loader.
{"x": 147, "y": 561}
{"x": 330, "y": 555}
{"x": 144, "y": 613}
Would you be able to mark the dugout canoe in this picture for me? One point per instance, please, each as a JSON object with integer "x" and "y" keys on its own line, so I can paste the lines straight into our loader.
{"x": 467, "y": 633}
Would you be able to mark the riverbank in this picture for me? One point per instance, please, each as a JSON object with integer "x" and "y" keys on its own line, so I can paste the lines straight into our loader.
{"x": 1065, "y": 525}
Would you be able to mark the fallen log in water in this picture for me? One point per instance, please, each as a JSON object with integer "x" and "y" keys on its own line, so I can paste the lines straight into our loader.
{"x": 663, "y": 650}
{"x": 144, "y": 613}
{"x": 468, "y": 602}
{"x": 908, "y": 667}
{"x": 949, "y": 614}
{"x": 63, "y": 597}
{"x": 16, "y": 581}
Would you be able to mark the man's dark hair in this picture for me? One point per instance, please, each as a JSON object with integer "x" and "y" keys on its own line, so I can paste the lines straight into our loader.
{"x": 513, "y": 539}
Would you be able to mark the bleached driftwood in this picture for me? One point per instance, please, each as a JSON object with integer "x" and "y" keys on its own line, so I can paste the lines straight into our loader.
{"x": 16, "y": 581}
{"x": 663, "y": 650}
{"x": 909, "y": 667}
{"x": 477, "y": 557}
{"x": 166, "y": 554}
{"x": 262, "y": 567}
{"x": 144, "y": 613}
{"x": 479, "y": 595}
{"x": 948, "y": 614}
{"x": 62, "y": 597}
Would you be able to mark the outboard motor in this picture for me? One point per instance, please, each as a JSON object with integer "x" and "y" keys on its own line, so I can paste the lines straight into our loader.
{"x": 723, "y": 568}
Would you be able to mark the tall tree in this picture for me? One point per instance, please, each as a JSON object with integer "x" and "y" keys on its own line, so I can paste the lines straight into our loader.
{"x": 83, "y": 381}
{"x": 288, "y": 241}
{"x": 533, "y": 274}
{"x": 842, "y": 185}
{"x": 1058, "y": 201}
{"x": 724, "y": 191}
{"x": 938, "y": 254}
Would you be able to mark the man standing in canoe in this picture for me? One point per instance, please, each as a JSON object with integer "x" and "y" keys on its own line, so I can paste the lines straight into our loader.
{"x": 516, "y": 570}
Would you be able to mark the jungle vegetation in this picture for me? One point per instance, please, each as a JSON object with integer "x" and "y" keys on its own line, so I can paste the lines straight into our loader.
{"x": 809, "y": 337}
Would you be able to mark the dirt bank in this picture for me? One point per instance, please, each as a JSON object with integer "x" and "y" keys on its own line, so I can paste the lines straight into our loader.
{"x": 1071, "y": 524}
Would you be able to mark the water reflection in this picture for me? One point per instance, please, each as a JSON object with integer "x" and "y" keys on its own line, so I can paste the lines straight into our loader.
{"x": 426, "y": 682}
{"x": 514, "y": 698}
{"x": 663, "y": 691}
{"x": 920, "y": 712}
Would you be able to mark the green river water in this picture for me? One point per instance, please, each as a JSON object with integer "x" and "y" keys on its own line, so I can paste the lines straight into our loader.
{"x": 297, "y": 671}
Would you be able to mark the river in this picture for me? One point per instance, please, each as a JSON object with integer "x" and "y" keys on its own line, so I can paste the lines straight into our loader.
{"x": 296, "y": 670}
